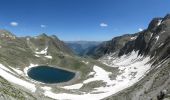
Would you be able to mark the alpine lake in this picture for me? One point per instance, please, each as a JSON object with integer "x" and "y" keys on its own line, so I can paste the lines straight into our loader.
{"x": 50, "y": 75}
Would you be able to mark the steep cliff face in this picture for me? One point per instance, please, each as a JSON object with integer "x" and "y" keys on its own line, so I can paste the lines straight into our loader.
{"x": 154, "y": 41}
{"x": 111, "y": 46}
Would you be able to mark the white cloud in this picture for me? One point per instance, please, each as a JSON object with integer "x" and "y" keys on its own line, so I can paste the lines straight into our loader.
{"x": 14, "y": 24}
{"x": 103, "y": 25}
{"x": 140, "y": 29}
{"x": 43, "y": 26}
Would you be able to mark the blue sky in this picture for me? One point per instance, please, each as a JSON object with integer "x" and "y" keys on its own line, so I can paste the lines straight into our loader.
{"x": 95, "y": 20}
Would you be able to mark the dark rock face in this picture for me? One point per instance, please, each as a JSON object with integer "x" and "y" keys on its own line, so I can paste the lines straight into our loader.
{"x": 154, "y": 41}
{"x": 154, "y": 23}
{"x": 140, "y": 43}
{"x": 111, "y": 46}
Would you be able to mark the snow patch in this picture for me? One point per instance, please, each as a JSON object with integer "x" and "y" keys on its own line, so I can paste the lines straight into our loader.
{"x": 91, "y": 73}
{"x": 18, "y": 81}
{"x": 159, "y": 22}
{"x": 157, "y": 37}
{"x": 75, "y": 86}
{"x": 151, "y": 35}
{"x": 46, "y": 88}
{"x": 100, "y": 74}
{"x": 17, "y": 71}
{"x": 6, "y": 69}
{"x": 133, "y": 38}
{"x": 86, "y": 62}
{"x": 161, "y": 44}
{"x": 43, "y": 51}
{"x": 37, "y": 55}
{"x": 163, "y": 32}
{"x": 50, "y": 57}
{"x": 27, "y": 68}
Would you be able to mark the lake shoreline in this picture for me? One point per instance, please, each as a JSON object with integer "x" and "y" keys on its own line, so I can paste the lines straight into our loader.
{"x": 70, "y": 82}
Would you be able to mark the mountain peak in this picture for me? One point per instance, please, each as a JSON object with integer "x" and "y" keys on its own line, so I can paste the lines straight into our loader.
{"x": 6, "y": 34}
{"x": 55, "y": 37}
{"x": 154, "y": 23}
{"x": 43, "y": 35}
{"x": 166, "y": 17}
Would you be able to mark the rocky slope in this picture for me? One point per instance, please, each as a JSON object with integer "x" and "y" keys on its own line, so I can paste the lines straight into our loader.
{"x": 155, "y": 43}
{"x": 111, "y": 46}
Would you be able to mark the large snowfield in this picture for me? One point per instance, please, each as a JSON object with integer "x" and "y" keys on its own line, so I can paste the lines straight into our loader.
{"x": 131, "y": 69}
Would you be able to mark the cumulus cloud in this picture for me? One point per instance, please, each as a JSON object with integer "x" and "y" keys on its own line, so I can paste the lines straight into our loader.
{"x": 14, "y": 24}
{"x": 103, "y": 25}
{"x": 140, "y": 29}
{"x": 43, "y": 26}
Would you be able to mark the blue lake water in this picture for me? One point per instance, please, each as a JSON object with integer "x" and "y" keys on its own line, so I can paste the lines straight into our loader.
{"x": 48, "y": 74}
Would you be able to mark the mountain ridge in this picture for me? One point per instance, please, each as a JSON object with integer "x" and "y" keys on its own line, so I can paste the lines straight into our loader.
{"x": 128, "y": 67}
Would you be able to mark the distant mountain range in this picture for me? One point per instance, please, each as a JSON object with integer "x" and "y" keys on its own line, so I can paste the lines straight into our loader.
{"x": 82, "y": 47}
